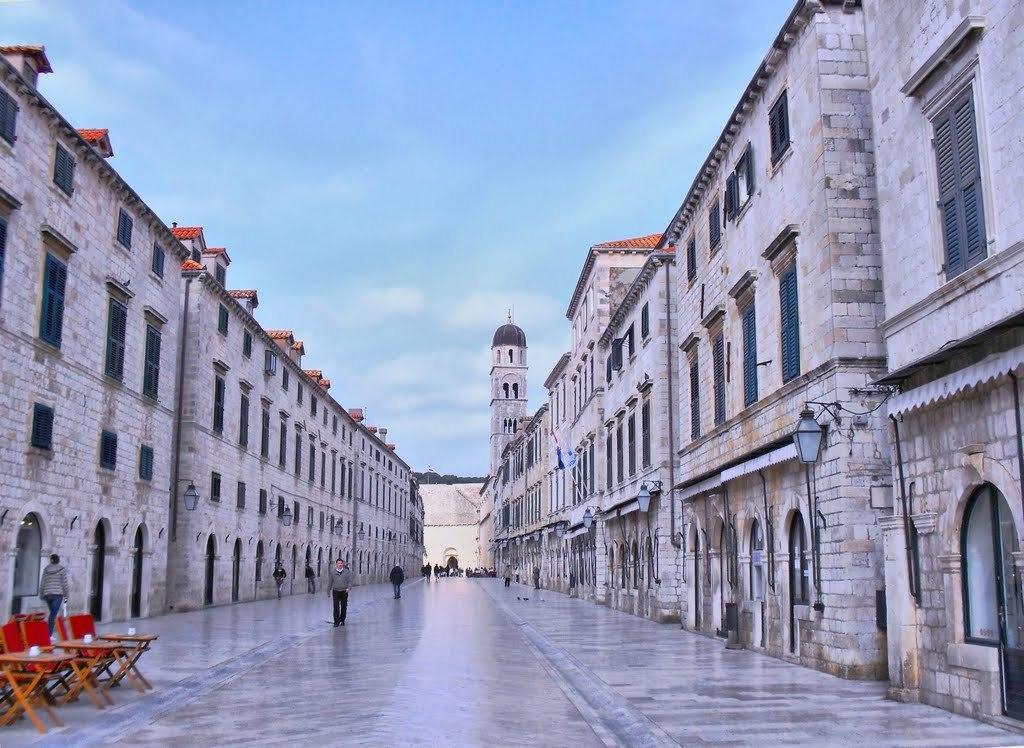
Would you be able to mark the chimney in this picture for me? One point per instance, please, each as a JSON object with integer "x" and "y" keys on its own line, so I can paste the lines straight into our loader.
{"x": 296, "y": 352}
{"x": 247, "y": 298}
{"x": 382, "y": 432}
{"x": 28, "y": 59}
{"x": 99, "y": 139}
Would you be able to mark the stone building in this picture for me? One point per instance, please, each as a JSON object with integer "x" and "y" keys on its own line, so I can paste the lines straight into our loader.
{"x": 639, "y": 519}
{"x": 946, "y": 98}
{"x": 134, "y": 378}
{"x": 780, "y": 297}
{"x": 89, "y": 288}
{"x": 287, "y": 475}
{"x": 450, "y": 524}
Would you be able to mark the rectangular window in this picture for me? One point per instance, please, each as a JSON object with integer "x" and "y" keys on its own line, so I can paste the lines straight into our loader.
{"x": 145, "y": 462}
{"x": 342, "y": 485}
{"x": 222, "y": 320}
{"x": 157, "y": 261}
{"x": 284, "y": 379}
{"x": 718, "y": 364}
{"x": 243, "y": 420}
{"x": 749, "y": 355}
{"x": 214, "y": 486}
{"x": 645, "y": 434}
{"x": 220, "y": 274}
{"x": 312, "y": 406}
{"x": 240, "y": 496}
{"x": 295, "y": 513}
{"x": 8, "y": 116}
{"x": 42, "y": 426}
{"x": 282, "y": 445}
{"x": 64, "y": 170}
{"x": 790, "y": 316}
{"x": 298, "y": 453}
{"x": 608, "y": 454}
{"x": 620, "y": 454}
{"x": 265, "y": 433}
{"x": 51, "y": 317}
{"x": 334, "y": 471}
{"x": 691, "y": 260}
{"x": 739, "y": 185}
{"x": 309, "y": 516}
{"x": 778, "y": 127}
{"x": 334, "y": 425}
{"x": 298, "y": 392}
{"x": 645, "y": 321}
{"x": 151, "y": 364}
{"x": 3, "y": 248}
{"x": 263, "y": 501}
{"x": 218, "y": 404}
{"x": 246, "y": 343}
{"x": 960, "y": 194}
{"x": 124, "y": 229}
{"x": 117, "y": 324}
{"x": 630, "y": 341}
{"x": 631, "y": 441}
{"x": 714, "y": 225}
{"x": 269, "y": 362}
{"x": 323, "y": 469}
{"x": 108, "y": 450}
{"x": 312, "y": 463}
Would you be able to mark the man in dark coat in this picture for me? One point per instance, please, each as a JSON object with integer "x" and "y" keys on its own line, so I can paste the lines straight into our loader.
{"x": 397, "y": 576}
{"x": 310, "y": 579}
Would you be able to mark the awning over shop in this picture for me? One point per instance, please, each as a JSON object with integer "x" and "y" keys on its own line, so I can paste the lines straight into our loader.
{"x": 781, "y": 454}
{"x": 700, "y": 487}
{"x": 975, "y": 375}
{"x": 574, "y": 533}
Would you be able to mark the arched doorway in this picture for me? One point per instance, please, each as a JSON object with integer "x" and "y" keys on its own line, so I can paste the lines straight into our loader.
{"x": 27, "y": 554}
{"x": 236, "y": 569}
{"x": 452, "y": 563}
{"x": 295, "y": 559}
{"x": 697, "y": 580}
{"x": 992, "y": 590}
{"x": 259, "y": 568}
{"x": 211, "y": 551}
{"x": 799, "y": 593}
{"x": 99, "y": 563}
{"x": 138, "y": 558}
{"x": 719, "y": 612}
{"x": 320, "y": 560}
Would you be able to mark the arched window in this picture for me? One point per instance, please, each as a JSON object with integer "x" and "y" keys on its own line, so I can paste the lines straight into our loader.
{"x": 611, "y": 565}
{"x": 510, "y": 356}
{"x": 636, "y": 566}
{"x": 515, "y": 391}
{"x": 988, "y": 543}
{"x": 798, "y": 573}
{"x": 756, "y": 562}
{"x": 624, "y": 566}
{"x": 504, "y": 388}
{"x": 28, "y": 551}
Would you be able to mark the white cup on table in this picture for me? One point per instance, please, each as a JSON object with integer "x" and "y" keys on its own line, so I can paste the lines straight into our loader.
{"x": 33, "y": 651}
{"x": 131, "y": 631}
{"x": 87, "y": 638}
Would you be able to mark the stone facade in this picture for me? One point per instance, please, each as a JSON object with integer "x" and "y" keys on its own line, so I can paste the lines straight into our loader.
{"x": 452, "y": 520}
{"x": 111, "y": 323}
{"x": 956, "y": 350}
{"x": 107, "y": 521}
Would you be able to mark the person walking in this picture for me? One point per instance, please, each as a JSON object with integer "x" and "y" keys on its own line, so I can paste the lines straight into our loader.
{"x": 338, "y": 583}
{"x": 279, "y": 577}
{"x": 310, "y": 579}
{"x": 397, "y": 576}
{"x": 508, "y": 575}
{"x": 536, "y": 577}
{"x": 428, "y": 569}
{"x": 53, "y": 587}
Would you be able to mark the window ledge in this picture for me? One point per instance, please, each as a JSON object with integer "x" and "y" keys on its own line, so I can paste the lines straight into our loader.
{"x": 776, "y": 165}
{"x": 738, "y": 216}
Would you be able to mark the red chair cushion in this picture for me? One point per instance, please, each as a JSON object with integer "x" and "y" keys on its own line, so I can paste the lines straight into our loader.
{"x": 11, "y": 633}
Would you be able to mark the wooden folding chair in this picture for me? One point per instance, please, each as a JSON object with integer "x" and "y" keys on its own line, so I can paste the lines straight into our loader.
{"x": 28, "y": 677}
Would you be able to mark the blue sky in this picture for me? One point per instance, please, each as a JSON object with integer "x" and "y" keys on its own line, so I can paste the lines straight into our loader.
{"x": 392, "y": 176}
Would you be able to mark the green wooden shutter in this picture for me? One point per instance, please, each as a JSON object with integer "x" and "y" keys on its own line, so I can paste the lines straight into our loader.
{"x": 108, "y": 450}
{"x": 749, "y": 154}
{"x": 749, "y": 355}
{"x": 218, "y": 405}
{"x": 51, "y": 323}
{"x": 42, "y": 426}
{"x": 3, "y": 250}
{"x": 790, "y": 328}
{"x": 8, "y": 116}
{"x": 151, "y": 368}
{"x": 714, "y": 227}
{"x": 694, "y": 399}
{"x": 959, "y": 176}
{"x": 731, "y": 195}
{"x": 970, "y": 181}
{"x": 117, "y": 323}
{"x": 691, "y": 259}
{"x": 718, "y": 365}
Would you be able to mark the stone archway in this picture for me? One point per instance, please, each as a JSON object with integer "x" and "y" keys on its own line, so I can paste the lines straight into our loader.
{"x": 451, "y": 558}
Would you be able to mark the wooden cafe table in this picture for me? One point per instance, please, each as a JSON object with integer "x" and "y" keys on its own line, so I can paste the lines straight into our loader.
{"x": 90, "y": 659}
{"x": 134, "y": 646}
{"x": 26, "y": 675}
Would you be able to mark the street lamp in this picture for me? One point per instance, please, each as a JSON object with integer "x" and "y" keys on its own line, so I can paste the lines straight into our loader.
{"x": 643, "y": 499}
{"x": 361, "y": 535}
{"x": 807, "y": 438}
{"x": 588, "y": 518}
{"x": 191, "y": 497}
{"x": 286, "y": 517}
{"x": 560, "y": 530}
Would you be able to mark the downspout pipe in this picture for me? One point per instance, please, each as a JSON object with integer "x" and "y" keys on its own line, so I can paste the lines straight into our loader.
{"x": 674, "y": 534}
{"x": 769, "y": 533}
{"x": 178, "y": 408}
{"x": 906, "y": 516}
{"x": 1020, "y": 435}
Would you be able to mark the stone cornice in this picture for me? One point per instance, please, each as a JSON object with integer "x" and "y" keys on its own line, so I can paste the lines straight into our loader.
{"x": 647, "y": 272}
{"x": 88, "y": 154}
{"x": 556, "y": 371}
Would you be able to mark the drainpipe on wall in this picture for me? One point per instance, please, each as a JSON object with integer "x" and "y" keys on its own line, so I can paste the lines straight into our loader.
{"x": 178, "y": 407}
{"x": 1020, "y": 436}
{"x": 912, "y": 583}
{"x": 769, "y": 533}
{"x": 674, "y": 534}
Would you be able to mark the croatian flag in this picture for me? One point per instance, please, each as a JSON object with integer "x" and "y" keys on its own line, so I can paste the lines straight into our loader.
{"x": 565, "y": 459}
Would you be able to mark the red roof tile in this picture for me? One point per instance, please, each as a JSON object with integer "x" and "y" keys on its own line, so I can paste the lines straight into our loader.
{"x": 214, "y": 251}
{"x": 186, "y": 232}
{"x": 279, "y": 334}
{"x": 30, "y": 50}
{"x": 390, "y": 446}
{"x": 372, "y": 429}
{"x": 325, "y": 383}
{"x": 246, "y": 293}
{"x": 356, "y": 413}
{"x": 93, "y": 134}
{"x": 640, "y": 242}
{"x": 191, "y": 265}
{"x": 315, "y": 373}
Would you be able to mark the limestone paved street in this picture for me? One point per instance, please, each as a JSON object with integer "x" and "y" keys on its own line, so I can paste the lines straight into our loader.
{"x": 463, "y": 662}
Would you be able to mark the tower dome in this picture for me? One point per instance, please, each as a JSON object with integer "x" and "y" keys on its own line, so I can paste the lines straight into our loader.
{"x": 509, "y": 334}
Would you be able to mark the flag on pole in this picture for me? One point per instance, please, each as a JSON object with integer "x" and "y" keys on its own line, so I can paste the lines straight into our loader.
{"x": 565, "y": 459}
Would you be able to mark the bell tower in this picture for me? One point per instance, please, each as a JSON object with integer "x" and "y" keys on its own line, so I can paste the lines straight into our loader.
{"x": 508, "y": 387}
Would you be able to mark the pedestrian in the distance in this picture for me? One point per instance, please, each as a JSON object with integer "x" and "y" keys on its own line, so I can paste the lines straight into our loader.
{"x": 536, "y": 577}
{"x": 508, "y": 574}
{"x": 310, "y": 579}
{"x": 397, "y": 576}
{"x": 53, "y": 587}
{"x": 338, "y": 583}
{"x": 279, "y": 576}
